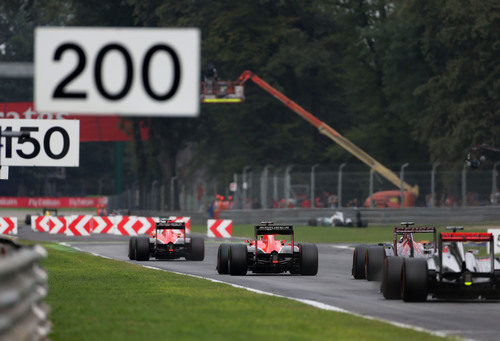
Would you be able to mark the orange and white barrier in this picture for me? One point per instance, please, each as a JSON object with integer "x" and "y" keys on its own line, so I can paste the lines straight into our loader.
{"x": 8, "y": 225}
{"x": 219, "y": 228}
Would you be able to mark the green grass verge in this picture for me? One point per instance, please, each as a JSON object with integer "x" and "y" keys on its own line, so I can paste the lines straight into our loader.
{"x": 99, "y": 299}
{"x": 322, "y": 234}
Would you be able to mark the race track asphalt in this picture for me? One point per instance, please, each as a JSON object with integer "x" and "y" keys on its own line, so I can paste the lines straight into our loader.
{"x": 334, "y": 285}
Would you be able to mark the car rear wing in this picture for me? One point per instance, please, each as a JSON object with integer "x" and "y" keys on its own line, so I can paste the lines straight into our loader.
{"x": 466, "y": 237}
{"x": 406, "y": 228}
{"x": 474, "y": 237}
{"x": 266, "y": 228}
{"x": 273, "y": 229}
{"x": 171, "y": 225}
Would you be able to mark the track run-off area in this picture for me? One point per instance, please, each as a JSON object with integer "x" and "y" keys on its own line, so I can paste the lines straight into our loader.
{"x": 333, "y": 288}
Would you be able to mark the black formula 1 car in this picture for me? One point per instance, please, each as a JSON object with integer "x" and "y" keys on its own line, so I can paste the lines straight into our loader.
{"x": 452, "y": 272}
{"x": 368, "y": 260}
{"x": 168, "y": 241}
{"x": 267, "y": 254}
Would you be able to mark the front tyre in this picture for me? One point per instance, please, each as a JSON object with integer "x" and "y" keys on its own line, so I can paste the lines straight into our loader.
{"x": 308, "y": 259}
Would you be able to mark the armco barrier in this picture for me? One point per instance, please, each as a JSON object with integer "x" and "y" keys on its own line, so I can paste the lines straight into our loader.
{"x": 421, "y": 215}
{"x": 219, "y": 228}
{"x": 8, "y": 225}
{"x": 23, "y": 286}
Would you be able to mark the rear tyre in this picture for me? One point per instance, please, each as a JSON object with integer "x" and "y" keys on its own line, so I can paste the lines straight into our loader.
{"x": 223, "y": 259}
{"x": 414, "y": 280}
{"x": 27, "y": 220}
{"x": 238, "y": 260}
{"x": 132, "y": 244}
{"x": 142, "y": 248}
{"x": 374, "y": 263}
{"x": 197, "y": 249}
{"x": 358, "y": 262}
{"x": 308, "y": 259}
{"x": 391, "y": 279}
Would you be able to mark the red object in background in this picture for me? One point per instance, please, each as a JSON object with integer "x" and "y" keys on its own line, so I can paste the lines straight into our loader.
{"x": 391, "y": 199}
{"x": 49, "y": 202}
{"x": 92, "y": 128}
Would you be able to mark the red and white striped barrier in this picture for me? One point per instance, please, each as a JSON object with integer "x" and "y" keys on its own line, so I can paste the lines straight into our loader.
{"x": 8, "y": 225}
{"x": 219, "y": 228}
{"x": 47, "y": 223}
{"x": 133, "y": 226}
{"x": 84, "y": 225}
{"x": 103, "y": 225}
{"x": 79, "y": 225}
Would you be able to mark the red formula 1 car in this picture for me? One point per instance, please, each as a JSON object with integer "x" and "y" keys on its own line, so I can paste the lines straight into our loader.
{"x": 369, "y": 260}
{"x": 167, "y": 242}
{"x": 267, "y": 254}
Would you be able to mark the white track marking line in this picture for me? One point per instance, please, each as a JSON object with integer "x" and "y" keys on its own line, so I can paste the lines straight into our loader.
{"x": 316, "y": 304}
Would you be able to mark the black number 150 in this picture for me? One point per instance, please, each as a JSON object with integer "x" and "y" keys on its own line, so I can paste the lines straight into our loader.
{"x": 61, "y": 91}
{"x": 36, "y": 145}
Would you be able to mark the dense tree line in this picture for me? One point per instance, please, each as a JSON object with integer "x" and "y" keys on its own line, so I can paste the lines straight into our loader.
{"x": 407, "y": 81}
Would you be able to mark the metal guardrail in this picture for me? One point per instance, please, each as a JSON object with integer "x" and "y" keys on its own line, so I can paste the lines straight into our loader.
{"x": 421, "y": 215}
{"x": 23, "y": 287}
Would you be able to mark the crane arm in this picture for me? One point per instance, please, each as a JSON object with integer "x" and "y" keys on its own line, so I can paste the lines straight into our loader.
{"x": 325, "y": 129}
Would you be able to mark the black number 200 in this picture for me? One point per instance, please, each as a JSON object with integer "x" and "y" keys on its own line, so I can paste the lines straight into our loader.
{"x": 61, "y": 91}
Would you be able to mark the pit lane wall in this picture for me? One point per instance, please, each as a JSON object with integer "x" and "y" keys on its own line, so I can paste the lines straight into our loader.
{"x": 23, "y": 287}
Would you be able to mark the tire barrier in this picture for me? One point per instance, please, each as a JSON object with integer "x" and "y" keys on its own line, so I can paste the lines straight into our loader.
{"x": 219, "y": 228}
{"x": 8, "y": 225}
{"x": 23, "y": 287}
